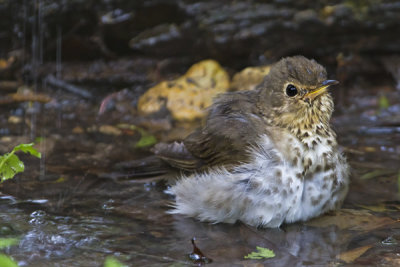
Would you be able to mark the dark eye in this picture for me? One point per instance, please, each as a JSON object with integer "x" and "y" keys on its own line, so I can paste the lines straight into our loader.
{"x": 291, "y": 90}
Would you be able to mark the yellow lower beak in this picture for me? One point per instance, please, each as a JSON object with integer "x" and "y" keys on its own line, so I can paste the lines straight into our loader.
{"x": 320, "y": 90}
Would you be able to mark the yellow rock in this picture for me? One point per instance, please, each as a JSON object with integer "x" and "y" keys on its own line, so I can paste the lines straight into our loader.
{"x": 188, "y": 96}
{"x": 249, "y": 78}
{"x": 14, "y": 119}
{"x": 109, "y": 130}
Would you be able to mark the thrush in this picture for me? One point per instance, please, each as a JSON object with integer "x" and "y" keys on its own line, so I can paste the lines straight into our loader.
{"x": 266, "y": 156}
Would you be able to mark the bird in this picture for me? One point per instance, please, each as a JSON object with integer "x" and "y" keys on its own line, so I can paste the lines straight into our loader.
{"x": 264, "y": 157}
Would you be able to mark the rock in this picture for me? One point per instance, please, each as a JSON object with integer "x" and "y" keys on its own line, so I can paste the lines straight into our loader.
{"x": 109, "y": 130}
{"x": 188, "y": 96}
{"x": 249, "y": 78}
{"x": 162, "y": 39}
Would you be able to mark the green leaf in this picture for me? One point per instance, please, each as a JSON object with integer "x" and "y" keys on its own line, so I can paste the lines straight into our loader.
{"x": 6, "y": 261}
{"x": 10, "y": 165}
{"x": 261, "y": 253}
{"x": 112, "y": 262}
{"x": 383, "y": 102}
{"x": 145, "y": 140}
{"x": 8, "y": 242}
{"x": 28, "y": 148}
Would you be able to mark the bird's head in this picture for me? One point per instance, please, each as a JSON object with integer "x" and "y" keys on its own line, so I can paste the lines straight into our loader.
{"x": 294, "y": 94}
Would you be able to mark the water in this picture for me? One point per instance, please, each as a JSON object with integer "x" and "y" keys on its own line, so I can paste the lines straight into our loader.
{"x": 66, "y": 212}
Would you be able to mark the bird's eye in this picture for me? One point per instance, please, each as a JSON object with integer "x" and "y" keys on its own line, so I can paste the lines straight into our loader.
{"x": 291, "y": 90}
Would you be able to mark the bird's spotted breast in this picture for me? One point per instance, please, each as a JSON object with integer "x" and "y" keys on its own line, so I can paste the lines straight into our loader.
{"x": 323, "y": 175}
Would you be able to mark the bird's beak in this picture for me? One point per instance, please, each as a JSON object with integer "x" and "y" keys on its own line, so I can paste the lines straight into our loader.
{"x": 320, "y": 90}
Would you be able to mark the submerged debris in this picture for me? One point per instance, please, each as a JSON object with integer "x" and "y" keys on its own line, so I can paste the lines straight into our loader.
{"x": 197, "y": 256}
{"x": 53, "y": 81}
{"x": 351, "y": 255}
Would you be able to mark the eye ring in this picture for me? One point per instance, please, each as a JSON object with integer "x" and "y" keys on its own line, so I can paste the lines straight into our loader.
{"x": 291, "y": 90}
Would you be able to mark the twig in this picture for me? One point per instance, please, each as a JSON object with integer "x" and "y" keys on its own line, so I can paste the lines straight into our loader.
{"x": 17, "y": 98}
{"x": 9, "y": 85}
{"x": 68, "y": 87}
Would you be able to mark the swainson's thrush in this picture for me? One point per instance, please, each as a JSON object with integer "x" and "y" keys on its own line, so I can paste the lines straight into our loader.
{"x": 265, "y": 156}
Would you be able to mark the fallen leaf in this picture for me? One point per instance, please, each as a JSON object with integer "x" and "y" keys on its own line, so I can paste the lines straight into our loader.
{"x": 379, "y": 208}
{"x": 113, "y": 262}
{"x": 7, "y": 261}
{"x": 146, "y": 139}
{"x": 261, "y": 253}
{"x": 349, "y": 219}
{"x": 60, "y": 180}
{"x": 383, "y": 102}
{"x": 352, "y": 255}
{"x": 392, "y": 259}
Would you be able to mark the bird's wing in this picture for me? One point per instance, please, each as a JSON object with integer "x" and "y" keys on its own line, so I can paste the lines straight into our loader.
{"x": 232, "y": 124}
{"x": 177, "y": 156}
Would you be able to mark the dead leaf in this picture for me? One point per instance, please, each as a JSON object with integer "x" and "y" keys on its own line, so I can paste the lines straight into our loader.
{"x": 349, "y": 219}
{"x": 392, "y": 259}
{"x": 352, "y": 255}
{"x": 380, "y": 207}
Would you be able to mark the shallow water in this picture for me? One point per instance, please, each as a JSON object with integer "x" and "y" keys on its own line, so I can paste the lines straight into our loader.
{"x": 68, "y": 210}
